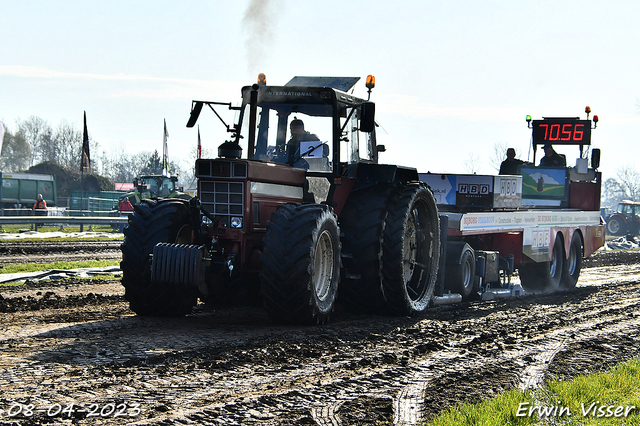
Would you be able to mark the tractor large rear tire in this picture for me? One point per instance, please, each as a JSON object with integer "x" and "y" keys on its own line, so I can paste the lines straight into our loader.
{"x": 362, "y": 224}
{"x": 544, "y": 277}
{"x": 411, "y": 250}
{"x": 155, "y": 221}
{"x": 301, "y": 264}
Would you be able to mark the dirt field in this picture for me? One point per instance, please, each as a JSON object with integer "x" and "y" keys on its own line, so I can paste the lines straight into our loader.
{"x": 73, "y": 353}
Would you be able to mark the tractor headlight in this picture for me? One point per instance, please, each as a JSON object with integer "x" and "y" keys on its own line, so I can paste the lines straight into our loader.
{"x": 236, "y": 222}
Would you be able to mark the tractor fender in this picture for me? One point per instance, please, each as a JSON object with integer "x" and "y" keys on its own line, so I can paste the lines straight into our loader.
{"x": 369, "y": 175}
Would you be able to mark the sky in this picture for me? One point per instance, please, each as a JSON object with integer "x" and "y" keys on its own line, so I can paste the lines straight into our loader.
{"x": 454, "y": 79}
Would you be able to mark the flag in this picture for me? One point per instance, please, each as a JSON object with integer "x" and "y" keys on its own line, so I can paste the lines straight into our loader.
{"x": 85, "y": 163}
{"x": 165, "y": 152}
{"x": 199, "y": 144}
{"x": 2, "y": 136}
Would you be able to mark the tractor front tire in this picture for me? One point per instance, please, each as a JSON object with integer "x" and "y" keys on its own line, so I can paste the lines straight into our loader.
{"x": 410, "y": 250}
{"x": 155, "y": 221}
{"x": 301, "y": 264}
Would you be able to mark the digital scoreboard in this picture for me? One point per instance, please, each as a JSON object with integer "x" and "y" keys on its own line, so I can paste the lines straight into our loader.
{"x": 559, "y": 131}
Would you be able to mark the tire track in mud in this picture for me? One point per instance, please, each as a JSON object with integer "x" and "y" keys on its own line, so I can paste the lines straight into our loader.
{"x": 231, "y": 366}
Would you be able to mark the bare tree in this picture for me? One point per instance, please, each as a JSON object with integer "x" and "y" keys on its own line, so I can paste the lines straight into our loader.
{"x": 472, "y": 164}
{"x": 629, "y": 180}
{"x": 625, "y": 186}
{"x": 188, "y": 166}
{"x": 16, "y": 154}
{"x": 37, "y": 132}
{"x": 499, "y": 154}
{"x": 67, "y": 143}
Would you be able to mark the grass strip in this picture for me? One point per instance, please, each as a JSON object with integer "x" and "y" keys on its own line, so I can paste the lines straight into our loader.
{"x": 607, "y": 398}
{"x": 18, "y": 228}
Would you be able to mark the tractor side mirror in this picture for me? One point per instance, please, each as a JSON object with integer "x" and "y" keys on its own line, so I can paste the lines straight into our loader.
{"x": 368, "y": 119}
{"x": 196, "y": 108}
{"x": 595, "y": 158}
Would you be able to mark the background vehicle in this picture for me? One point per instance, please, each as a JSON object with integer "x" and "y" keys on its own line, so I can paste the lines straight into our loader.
{"x": 19, "y": 190}
{"x": 625, "y": 220}
{"x": 150, "y": 186}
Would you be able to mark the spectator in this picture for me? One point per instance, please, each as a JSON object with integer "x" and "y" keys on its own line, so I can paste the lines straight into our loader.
{"x": 510, "y": 165}
{"x": 552, "y": 158}
{"x": 125, "y": 205}
{"x": 40, "y": 206}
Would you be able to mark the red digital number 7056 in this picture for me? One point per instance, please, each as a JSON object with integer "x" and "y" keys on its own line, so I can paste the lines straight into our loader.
{"x": 554, "y": 132}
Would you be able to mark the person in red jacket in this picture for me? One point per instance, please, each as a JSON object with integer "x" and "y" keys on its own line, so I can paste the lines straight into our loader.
{"x": 40, "y": 206}
{"x": 125, "y": 205}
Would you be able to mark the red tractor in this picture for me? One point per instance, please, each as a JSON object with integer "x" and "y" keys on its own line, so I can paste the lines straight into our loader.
{"x": 625, "y": 220}
{"x": 303, "y": 218}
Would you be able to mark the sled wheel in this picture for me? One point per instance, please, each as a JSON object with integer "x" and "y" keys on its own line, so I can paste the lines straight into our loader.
{"x": 460, "y": 277}
{"x": 544, "y": 277}
{"x": 573, "y": 263}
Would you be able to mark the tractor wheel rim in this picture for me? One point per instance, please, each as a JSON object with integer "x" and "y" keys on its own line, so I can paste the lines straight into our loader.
{"x": 323, "y": 266}
{"x": 410, "y": 246}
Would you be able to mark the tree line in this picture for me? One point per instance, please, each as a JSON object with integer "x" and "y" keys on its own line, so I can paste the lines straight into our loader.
{"x": 34, "y": 141}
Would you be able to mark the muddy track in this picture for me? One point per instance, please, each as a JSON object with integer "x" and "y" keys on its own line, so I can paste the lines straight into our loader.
{"x": 12, "y": 252}
{"x": 79, "y": 343}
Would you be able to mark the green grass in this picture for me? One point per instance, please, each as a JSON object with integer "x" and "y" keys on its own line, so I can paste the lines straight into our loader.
{"x": 17, "y": 228}
{"x": 34, "y": 267}
{"x": 575, "y": 399}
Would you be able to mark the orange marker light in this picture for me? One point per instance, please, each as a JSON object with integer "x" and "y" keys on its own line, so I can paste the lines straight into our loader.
{"x": 262, "y": 79}
{"x": 587, "y": 110}
{"x": 371, "y": 82}
{"x": 595, "y": 118}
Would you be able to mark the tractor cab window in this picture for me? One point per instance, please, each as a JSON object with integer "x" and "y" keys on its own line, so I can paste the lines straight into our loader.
{"x": 151, "y": 184}
{"x": 624, "y": 208}
{"x": 298, "y": 135}
{"x": 357, "y": 145}
{"x": 167, "y": 187}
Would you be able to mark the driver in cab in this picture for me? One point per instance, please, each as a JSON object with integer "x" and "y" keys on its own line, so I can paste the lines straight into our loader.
{"x": 298, "y": 134}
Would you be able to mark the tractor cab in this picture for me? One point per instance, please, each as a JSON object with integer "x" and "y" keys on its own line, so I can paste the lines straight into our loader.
{"x": 310, "y": 123}
{"x": 150, "y": 186}
{"x": 282, "y": 206}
